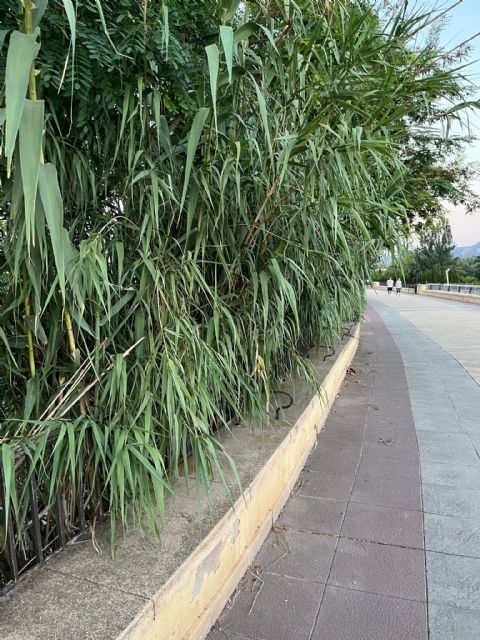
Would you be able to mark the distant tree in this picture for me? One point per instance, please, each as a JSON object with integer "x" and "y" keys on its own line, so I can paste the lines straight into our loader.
{"x": 433, "y": 155}
{"x": 434, "y": 255}
{"x": 469, "y": 268}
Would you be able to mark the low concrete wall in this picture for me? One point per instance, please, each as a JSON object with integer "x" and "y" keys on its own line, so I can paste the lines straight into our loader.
{"x": 190, "y": 602}
{"x": 447, "y": 295}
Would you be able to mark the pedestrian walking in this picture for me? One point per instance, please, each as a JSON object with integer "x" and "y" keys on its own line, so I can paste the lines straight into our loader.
{"x": 389, "y": 285}
{"x": 398, "y": 286}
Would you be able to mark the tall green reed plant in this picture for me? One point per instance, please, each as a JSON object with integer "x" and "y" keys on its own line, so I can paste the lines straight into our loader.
{"x": 188, "y": 194}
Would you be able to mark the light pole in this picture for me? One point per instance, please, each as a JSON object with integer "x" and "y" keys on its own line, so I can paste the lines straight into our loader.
{"x": 446, "y": 275}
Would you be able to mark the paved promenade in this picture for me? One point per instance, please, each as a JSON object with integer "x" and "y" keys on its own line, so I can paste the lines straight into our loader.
{"x": 380, "y": 539}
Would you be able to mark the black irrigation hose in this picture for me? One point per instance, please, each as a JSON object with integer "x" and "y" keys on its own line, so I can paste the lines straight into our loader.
{"x": 327, "y": 355}
{"x": 287, "y": 406}
{"x": 305, "y": 352}
{"x": 348, "y": 332}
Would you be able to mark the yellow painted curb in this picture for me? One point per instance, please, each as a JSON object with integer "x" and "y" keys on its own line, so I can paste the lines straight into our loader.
{"x": 188, "y": 604}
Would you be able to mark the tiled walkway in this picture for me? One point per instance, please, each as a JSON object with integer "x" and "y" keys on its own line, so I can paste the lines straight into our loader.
{"x": 381, "y": 538}
{"x": 440, "y": 346}
{"x": 346, "y": 558}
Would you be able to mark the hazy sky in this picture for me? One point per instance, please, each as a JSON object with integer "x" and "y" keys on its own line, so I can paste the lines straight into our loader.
{"x": 465, "y": 227}
{"x": 462, "y": 23}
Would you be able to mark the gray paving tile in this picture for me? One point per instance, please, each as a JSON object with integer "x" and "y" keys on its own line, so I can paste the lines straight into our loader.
{"x": 468, "y": 412}
{"x": 471, "y": 425}
{"x": 451, "y": 623}
{"x": 342, "y": 406}
{"x": 451, "y": 501}
{"x": 219, "y": 633}
{"x": 329, "y": 445}
{"x": 382, "y": 393}
{"x": 451, "y": 534}
{"x": 315, "y": 515}
{"x": 353, "y": 398}
{"x": 345, "y": 430}
{"x": 427, "y": 405}
{"x": 333, "y": 463}
{"x": 374, "y": 467}
{"x": 404, "y": 437}
{"x": 461, "y": 387}
{"x": 453, "y": 580}
{"x": 438, "y": 423}
{"x": 297, "y": 554}
{"x": 284, "y": 608}
{"x": 474, "y": 436}
{"x": 398, "y": 414}
{"x": 340, "y": 413}
{"x": 449, "y": 454}
{"x": 385, "y": 409}
{"x": 392, "y": 370}
{"x": 342, "y": 427}
{"x": 395, "y": 419}
{"x": 379, "y": 568}
{"x": 401, "y": 494}
{"x": 457, "y": 440}
{"x": 324, "y": 484}
{"x": 452, "y": 475}
{"x": 341, "y": 438}
{"x": 354, "y": 615}
{"x": 381, "y": 524}
{"x": 426, "y": 392}
{"x": 381, "y": 447}
{"x": 466, "y": 394}
{"x": 430, "y": 411}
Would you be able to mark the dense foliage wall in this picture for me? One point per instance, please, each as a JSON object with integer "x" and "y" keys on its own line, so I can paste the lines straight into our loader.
{"x": 189, "y": 192}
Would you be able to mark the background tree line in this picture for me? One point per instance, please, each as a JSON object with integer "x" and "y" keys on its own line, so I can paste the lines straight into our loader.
{"x": 430, "y": 259}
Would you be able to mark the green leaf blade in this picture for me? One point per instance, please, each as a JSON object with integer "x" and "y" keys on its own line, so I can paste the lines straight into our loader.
{"x": 22, "y": 51}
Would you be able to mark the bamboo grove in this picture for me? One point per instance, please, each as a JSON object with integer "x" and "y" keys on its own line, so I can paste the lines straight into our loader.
{"x": 189, "y": 192}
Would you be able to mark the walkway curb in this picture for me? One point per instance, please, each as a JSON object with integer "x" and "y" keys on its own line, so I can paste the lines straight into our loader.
{"x": 188, "y": 604}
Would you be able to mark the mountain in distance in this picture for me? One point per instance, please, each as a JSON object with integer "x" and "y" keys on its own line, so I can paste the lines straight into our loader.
{"x": 467, "y": 252}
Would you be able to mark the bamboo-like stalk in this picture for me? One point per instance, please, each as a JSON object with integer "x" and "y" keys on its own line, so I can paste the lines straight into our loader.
{"x": 30, "y": 347}
{"x": 73, "y": 352}
{"x": 33, "y": 96}
{"x": 32, "y": 89}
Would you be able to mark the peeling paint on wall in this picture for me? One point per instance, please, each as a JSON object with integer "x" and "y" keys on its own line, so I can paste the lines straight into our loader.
{"x": 208, "y": 566}
{"x": 235, "y": 530}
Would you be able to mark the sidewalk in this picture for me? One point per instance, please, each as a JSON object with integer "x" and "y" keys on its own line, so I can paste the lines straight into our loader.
{"x": 346, "y": 558}
{"x": 381, "y": 538}
{"x": 453, "y": 326}
{"x": 440, "y": 346}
